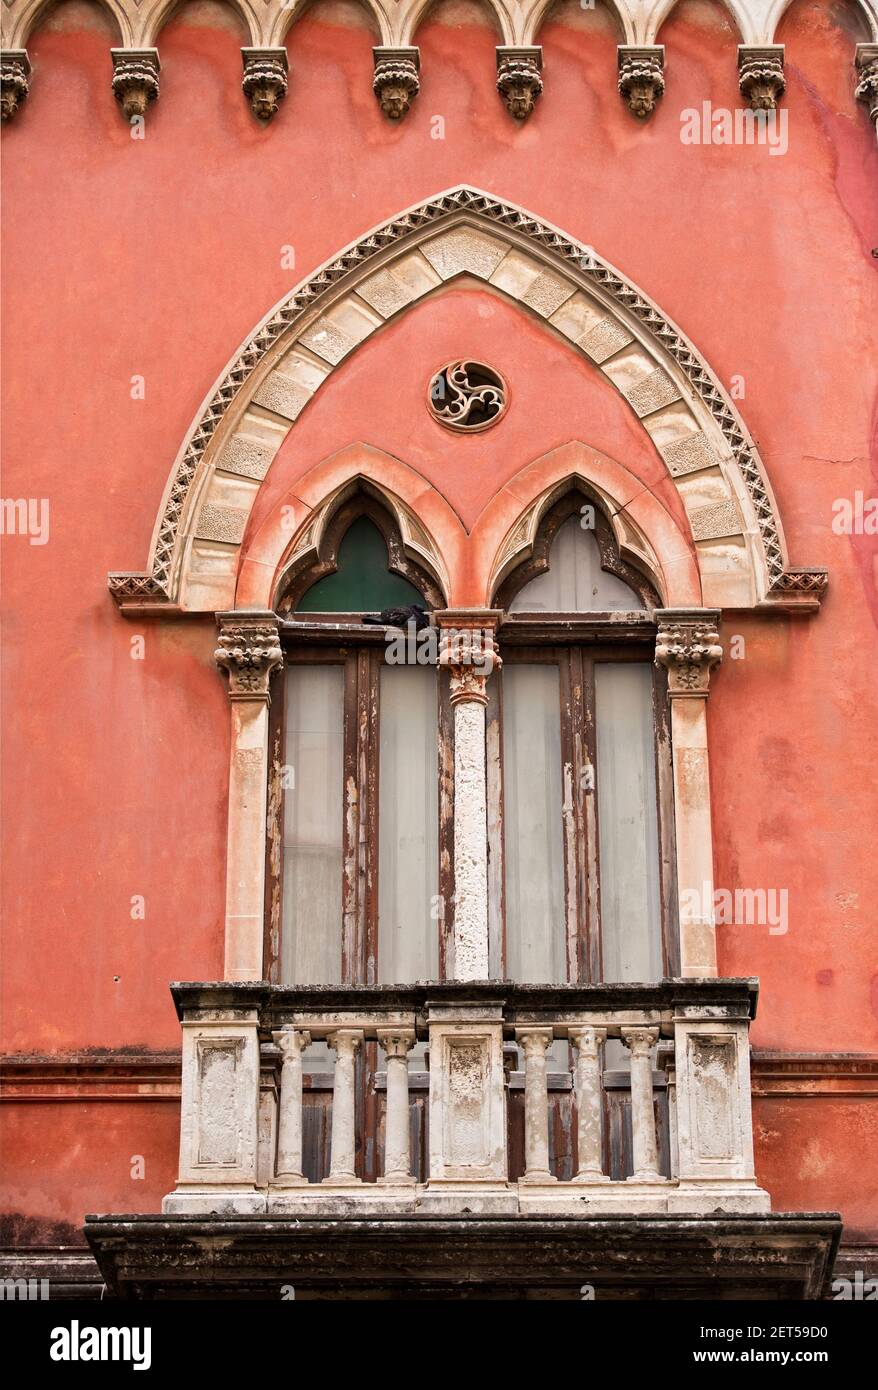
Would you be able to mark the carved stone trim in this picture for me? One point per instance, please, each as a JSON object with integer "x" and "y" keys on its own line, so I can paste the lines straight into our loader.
{"x": 688, "y": 646}
{"x": 396, "y": 82}
{"x": 135, "y": 79}
{"x": 518, "y": 227}
{"x": 760, "y": 74}
{"x": 518, "y": 78}
{"x": 265, "y": 79}
{"x": 249, "y": 651}
{"x": 529, "y": 545}
{"x": 641, "y": 77}
{"x": 867, "y": 71}
{"x": 14, "y": 72}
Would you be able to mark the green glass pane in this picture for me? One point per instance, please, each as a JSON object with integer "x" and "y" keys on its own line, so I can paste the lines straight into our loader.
{"x": 362, "y": 583}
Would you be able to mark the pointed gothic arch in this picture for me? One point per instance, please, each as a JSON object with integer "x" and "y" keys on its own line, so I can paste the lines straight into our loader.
{"x": 710, "y": 457}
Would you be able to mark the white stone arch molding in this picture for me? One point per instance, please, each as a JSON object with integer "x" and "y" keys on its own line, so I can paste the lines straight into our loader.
{"x": 582, "y": 299}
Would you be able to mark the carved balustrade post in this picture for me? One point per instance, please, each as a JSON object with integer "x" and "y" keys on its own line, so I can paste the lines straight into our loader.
{"x": 292, "y": 1042}
{"x": 535, "y": 1043}
{"x": 640, "y": 1041}
{"x": 397, "y": 1043}
{"x": 587, "y": 1085}
{"x": 342, "y": 1170}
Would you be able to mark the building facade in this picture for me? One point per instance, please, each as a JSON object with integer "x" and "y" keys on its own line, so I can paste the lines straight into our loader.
{"x": 420, "y": 956}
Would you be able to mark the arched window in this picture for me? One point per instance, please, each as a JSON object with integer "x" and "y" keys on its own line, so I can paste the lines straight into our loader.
{"x": 355, "y": 861}
{"x": 580, "y": 763}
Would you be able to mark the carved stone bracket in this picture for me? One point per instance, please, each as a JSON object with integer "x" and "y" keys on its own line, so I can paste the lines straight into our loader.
{"x": 265, "y": 79}
{"x": 688, "y": 647}
{"x": 641, "y": 77}
{"x": 135, "y": 79}
{"x": 760, "y": 75}
{"x": 396, "y": 82}
{"x": 518, "y": 79}
{"x": 14, "y": 72}
{"x": 867, "y": 72}
{"x": 249, "y": 651}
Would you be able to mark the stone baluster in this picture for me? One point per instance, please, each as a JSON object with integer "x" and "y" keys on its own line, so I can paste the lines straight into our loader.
{"x": 640, "y": 1041}
{"x": 292, "y": 1042}
{"x": 344, "y": 1043}
{"x": 535, "y": 1043}
{"x": 587, "y": 1083}
{"x": 467, "y": 651}
{"x": 397, "y": 1043}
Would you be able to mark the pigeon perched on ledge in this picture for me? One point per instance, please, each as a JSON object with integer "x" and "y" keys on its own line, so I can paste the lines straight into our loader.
{"x": 400, "y": 617}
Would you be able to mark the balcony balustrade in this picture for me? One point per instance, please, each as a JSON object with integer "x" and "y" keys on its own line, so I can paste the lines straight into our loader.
{"x": 245, "y": 1083}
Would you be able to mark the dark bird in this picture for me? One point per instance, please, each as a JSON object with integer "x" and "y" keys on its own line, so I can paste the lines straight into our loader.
{"x": 400, "y": 617}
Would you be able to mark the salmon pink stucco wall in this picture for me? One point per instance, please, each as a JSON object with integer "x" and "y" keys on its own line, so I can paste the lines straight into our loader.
{"x": 133, "y": 270}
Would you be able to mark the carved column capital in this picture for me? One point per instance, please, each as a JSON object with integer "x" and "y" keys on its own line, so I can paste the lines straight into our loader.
{"x": 14, "y": 72}
{"x": 518, "y": 79}
{"x": 587, "y": 1039}
{"x": 468, "y": 651}
{"x": 397, "y": 1042}
{"x": 641, "y": 77}
{"x": 688, "y": 647}
{"x": 534, "y": 1040}
{"x": 265, "y": 79}
{"x": 639, "y": 1040}
{"x": 135, "y": 79}
{"x": 396, "y": 82}
{"x": 867, "y": 73}
{"x": 249, "y": 651}
{"x": 345, "y": 1041}
{"x": 291, "y": 1042}
{"x": 760, "y": 74}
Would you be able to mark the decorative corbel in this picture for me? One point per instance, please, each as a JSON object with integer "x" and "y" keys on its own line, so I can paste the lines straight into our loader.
{"x": 518, "y": 79}
{"x": 760, "y": 74}
{"x": 249, "y": 651}
{"x": 688, "y": 647}
{"x": 396, "y": 82}
{"x": 14, "y": 71}
{"x": 265, "y": 79}
{"x": 641, "y": 77}
{"x": 135, "y": 79}
{"x": 867, "y": 72}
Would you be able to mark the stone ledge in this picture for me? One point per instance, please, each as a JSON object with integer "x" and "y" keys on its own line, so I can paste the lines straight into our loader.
{"x": 788, "y": 1256}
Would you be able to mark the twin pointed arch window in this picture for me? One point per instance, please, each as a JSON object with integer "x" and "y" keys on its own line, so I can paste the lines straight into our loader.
{"x": 579, "y": 825}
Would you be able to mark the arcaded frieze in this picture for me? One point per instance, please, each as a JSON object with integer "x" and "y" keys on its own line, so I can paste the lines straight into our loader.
{"x": 397, "y": 21}
{"x": 641, "y": 59}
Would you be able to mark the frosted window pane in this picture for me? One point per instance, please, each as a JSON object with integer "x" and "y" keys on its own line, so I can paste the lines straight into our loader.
{"x": 532, "y": 804}
{"x": 628, "y": 824}
{"x": 313, "y": 820}
{"x": 574, "y": 581}
{"x": 408, "y": 815}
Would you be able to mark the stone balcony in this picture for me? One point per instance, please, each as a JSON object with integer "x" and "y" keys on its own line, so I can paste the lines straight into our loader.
{"x": 447, "y": 1141}
{"x": 682, "y": 1047}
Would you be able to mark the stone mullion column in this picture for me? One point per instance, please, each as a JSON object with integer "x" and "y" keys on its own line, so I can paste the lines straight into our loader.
{"x": 643, "y": 1138}
{"x": 688, "y": 647}
{"x": 535, "y": 1043}
{"x": 587, "y": 1083}
{"x": 343, "y": 1150}
{"x": 467, "y": 651}
{"x": 249, "y": 651}
{"x": 397, "y": 1044}
{"x": 292, "y": 1043}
